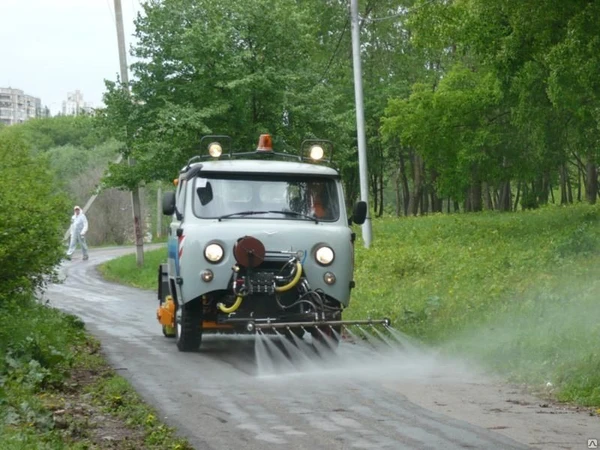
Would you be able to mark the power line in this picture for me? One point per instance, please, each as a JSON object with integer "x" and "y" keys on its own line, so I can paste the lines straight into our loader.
{"x": 403, "y": 13}
{"x": 110, "y": 11}
{"x": 375, "y": 19}
{"x": 337, "y": 47}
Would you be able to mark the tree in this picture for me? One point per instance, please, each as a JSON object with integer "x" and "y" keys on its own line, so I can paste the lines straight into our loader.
{"x": 543, "y": 100}
{"x": 241, "y": 68}
{"x": 32, "y": 214}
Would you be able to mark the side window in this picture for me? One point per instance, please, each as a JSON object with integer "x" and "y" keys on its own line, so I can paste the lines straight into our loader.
{"x": 180, "y": 197}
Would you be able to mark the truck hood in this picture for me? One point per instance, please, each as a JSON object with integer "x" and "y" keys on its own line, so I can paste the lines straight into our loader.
{"x": 298, "y": 236}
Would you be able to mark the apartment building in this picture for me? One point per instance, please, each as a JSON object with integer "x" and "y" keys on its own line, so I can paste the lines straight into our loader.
{"x": 17, "y": 107}
{"x": 74, "y": 105}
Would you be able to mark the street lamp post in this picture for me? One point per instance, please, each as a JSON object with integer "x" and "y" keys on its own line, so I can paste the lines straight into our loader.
{"x": 360, "y": 121}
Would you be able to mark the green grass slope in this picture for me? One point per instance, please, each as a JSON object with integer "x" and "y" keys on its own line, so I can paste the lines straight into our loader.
{"x": 518, "y": 292}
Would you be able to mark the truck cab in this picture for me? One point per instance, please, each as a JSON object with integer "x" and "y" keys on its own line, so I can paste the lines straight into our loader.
{"x": 258, "y": 241}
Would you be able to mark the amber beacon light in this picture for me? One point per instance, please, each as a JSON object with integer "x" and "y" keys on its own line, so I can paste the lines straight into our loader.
{"x": 265, "y": 143}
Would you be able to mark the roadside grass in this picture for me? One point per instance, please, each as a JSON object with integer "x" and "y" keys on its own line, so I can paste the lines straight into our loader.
{"x": 58, "y": 392}
{"x": 124, "y": 269}
{"x": 516, "y": 292}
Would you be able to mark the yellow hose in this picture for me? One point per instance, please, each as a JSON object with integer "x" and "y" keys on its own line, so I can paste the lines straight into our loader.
{"x": 239, "y": 298}
{"x": 292, "y": 283}
{"x": 232, "y": 308}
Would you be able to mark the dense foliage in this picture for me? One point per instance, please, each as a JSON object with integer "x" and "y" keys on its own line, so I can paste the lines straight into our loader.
{"x": 41, "y": 348}
{"x": 242, "y": 69}
{"x": 513, "y": 99}
{"x": 77, "y": 154}
{"x": 469, "y": 105}
{"x": 33, "y": 354}
{"x": 32, "y": 213}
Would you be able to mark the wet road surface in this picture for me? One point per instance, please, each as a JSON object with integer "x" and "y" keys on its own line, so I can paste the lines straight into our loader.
{"x": 227, "y": 397}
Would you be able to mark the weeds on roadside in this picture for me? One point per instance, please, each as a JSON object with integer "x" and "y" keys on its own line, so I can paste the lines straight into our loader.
{"x": 58, "y": 392}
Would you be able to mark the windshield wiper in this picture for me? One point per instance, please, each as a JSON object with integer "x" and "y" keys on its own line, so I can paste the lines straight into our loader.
{"x": 296, "y": 214}
{"x": 243, "y": 213}
{"x": 252, "y": 213}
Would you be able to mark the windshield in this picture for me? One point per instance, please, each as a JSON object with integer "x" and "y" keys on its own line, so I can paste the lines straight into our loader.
{"x": 289, "y": 197}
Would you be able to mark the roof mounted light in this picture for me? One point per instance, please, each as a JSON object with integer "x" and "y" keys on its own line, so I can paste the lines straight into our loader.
{"x": 317, "y": 152}
{"x": 215, "y": 150}
{"x": 213, "y": 146}
{"x": 265, "y": 143}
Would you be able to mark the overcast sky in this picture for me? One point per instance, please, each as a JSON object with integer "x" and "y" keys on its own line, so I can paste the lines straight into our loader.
{"x": 51, "y": 47}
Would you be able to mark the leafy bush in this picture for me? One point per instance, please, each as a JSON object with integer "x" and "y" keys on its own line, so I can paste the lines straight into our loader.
{"x": 32, "y": 214}
{"x": 35, "y": 343}
{"x": 38, "y": 347}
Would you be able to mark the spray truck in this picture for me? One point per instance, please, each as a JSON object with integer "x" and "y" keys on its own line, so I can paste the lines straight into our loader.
{"x": 259, "y": 242}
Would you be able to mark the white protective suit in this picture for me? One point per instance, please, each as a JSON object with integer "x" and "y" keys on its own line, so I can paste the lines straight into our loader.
{"x": 79, "y": 226}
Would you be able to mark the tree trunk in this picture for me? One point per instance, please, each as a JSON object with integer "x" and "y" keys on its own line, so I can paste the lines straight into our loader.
{"x": 542, "y": 189}
{"x": 591, "y": 186}
{"x": 373, "y": 188}
{"x": 563, "y": 184}
{"x": 380, "y": 212}
{"x": 517, "y": 197}
{"x": 405, "y": 187}
{"x": 397, "y": 191}
{"x": 475, "y": 194}
{"x": 487, "y": 197}
{"x": 504, "y": 200}
{"x": 579, "y": 182}
{"x": 417, "y": 163}
{"x": 467, "y": 202}
{"x": 425, "y": 200}
{"x": 437, "y": 204}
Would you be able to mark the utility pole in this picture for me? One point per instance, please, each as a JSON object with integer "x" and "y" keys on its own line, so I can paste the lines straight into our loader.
{"x": 91, "y": 199}
{"x": 135, "y": 193}
{"x": 360, "y": 121}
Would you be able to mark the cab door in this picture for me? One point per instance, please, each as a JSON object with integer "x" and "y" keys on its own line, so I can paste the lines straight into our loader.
{"x": 175, "y": 239}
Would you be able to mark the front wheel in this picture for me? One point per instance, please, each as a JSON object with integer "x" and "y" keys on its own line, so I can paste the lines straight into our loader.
{"x": 188, "y": 326}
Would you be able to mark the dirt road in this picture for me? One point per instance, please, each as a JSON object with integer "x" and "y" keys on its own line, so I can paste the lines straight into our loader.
{"x": 219, "y": 399}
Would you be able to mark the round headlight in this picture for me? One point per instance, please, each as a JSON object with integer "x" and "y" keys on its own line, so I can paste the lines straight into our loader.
{"x": 215, "y": 150}
{"x": 316, "y": 152}
{"x": 324, "y": 256}
{"x": 213, "y": 253}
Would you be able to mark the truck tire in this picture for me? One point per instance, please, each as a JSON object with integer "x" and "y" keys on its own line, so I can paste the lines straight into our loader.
{"x": 163, "y": 282}
{"x": 188, "y": 326}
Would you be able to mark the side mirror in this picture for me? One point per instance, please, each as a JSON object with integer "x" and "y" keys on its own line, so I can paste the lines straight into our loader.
{"x": 360, "y": 213}
{"x": 168, "y": 203}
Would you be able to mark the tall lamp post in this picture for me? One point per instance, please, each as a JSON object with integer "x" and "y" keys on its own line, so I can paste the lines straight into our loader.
{"x": 360, "y": 121}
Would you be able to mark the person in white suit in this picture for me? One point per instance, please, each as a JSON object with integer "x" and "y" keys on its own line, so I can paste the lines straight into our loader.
{"x": 79, "y": 227}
